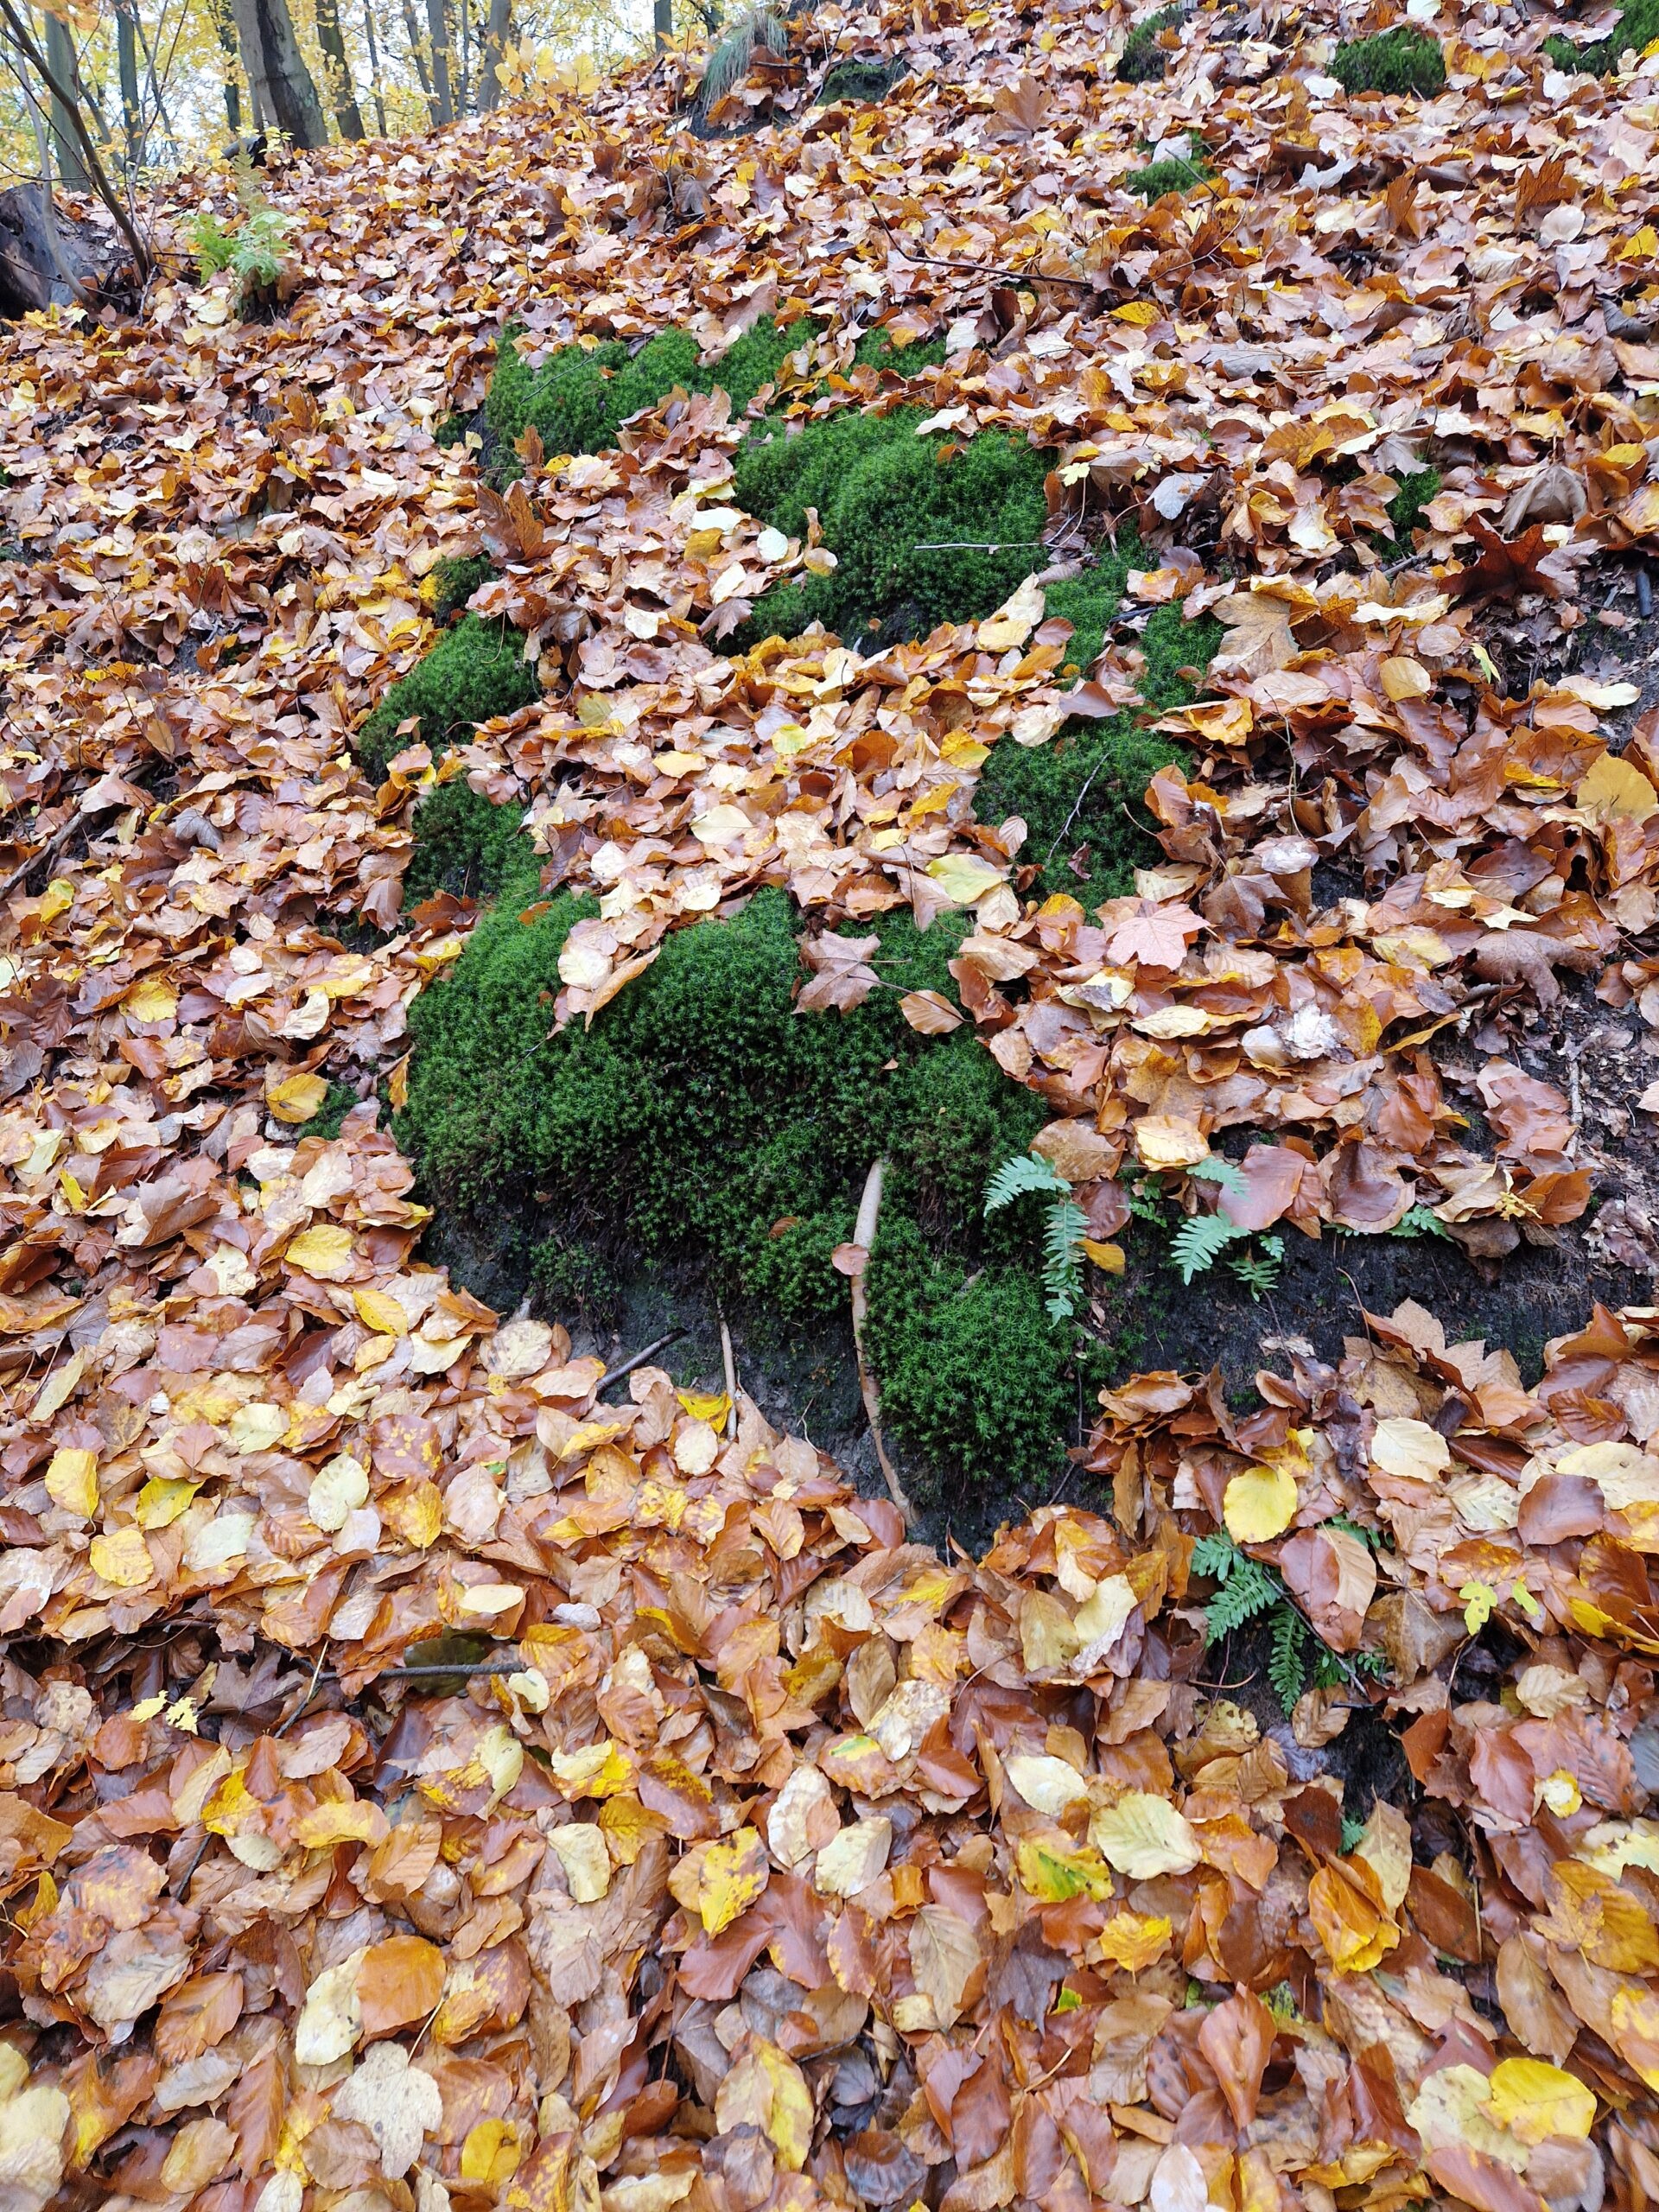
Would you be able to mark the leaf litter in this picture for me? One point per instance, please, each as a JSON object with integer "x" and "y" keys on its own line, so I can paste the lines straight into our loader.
{"x": 777, "y": 1857}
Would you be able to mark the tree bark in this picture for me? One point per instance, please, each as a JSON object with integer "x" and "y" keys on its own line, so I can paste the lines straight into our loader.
{"x": 225, "y": 30}
{"x": 495, "y": 45}
{"x": 65, "y": 148}
{"x": 342, "y": 94}
{"x": 437, "y": 20}
{"x": 283, "y": 91}
{"x": 126, "y": 50}
{"x": 417, "y": 54}
{"x": 374, "y": 66}
{"x": 663, "y": 21}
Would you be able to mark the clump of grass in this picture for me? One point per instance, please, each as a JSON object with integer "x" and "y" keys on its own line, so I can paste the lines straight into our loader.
{"x": 861, "y": 82}
{"x": 1143, "y": 60}
{"x": 476, "y": 669}
{"x": 1403, "y": 60}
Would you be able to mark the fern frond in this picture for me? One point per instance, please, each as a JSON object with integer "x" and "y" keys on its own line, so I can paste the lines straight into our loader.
{"x": 1419, "y": 1221}
{"x": 1249, "y": 1589}
{"x": 1259, "y": 1271}
{"x": 1215, "y": 1554}
{"x": 1063, "y": 1233}
{"x": 1026, "y": 1172}
{"x": 1221, "y": 1171}
{"x": 1287, "y": 1669}
{"x": 1199, "y": 1241}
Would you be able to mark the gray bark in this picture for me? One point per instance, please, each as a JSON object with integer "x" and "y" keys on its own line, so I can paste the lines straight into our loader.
{"x": 437, "y": 21}
{"x": 495, "y": 41}
{"x": 342, "y": 94}
{"x": 283, "y": 93}
{"x": 66, "y": 147}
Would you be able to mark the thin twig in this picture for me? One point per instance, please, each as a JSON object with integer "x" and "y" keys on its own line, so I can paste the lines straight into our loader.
{"x": 978, "y": 268}
{"x": 869, "y": 1213}
{"x": 730, "y": 1366}
{"x": 616, "y": 1374}
{"x": 49, "y": 850}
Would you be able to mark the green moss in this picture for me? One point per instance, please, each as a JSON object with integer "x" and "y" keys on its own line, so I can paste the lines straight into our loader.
{"x": 465, "y": 845}
{"x": 1417, "y": 489}
{"x": 452, "y": 431}
{"x": 1636, "y": 31}
{"x": 702, "y": 1117}
{"x": 1143, "y": 60}
{"x": 923, "y": 531}
{"x": 755, "y": 360}
{"x": 861, "y": 82}
{"x": 338, "y": 1102}
{"x": 1404, "y": 59}
{"x": 1171, "y": 175}
{"x": 1081, "y": 795}
{"x": 475, "y": 671}
{"x": 972, "y": 1372}
{"x": 876, "y": 350}
{"x": 454, "y": 581}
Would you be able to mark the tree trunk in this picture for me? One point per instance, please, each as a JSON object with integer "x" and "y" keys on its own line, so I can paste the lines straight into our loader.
{"x": 437, "y": 19}
{"x": 66, "y": 146}
{"x": 417, "y": 54}
{"x": 663, "y": 21}
{"x": 126, "y": 50}
{"x": 495, "y": 45}
{"x": 374, "y": 66}
{"x": 342, "y": 94}
{"x": 282, "y": 86}
{"x": 225, "y": 30}
{"x": 46, "y": 258}
{"x": 464, "y": 57}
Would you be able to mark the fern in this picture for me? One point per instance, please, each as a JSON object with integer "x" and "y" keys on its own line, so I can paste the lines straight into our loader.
{"x": 1287, "y": 1664}
{"x": 1420, "y": 1221}
{"x": 1221, "y": 1171}
{"x": 1259, "y": 1271}
{"x": 1064, "y": 1226}
{"x": 1026, "y": 1172}
{"x": 1199, "y": 1242}
{"x": 1247, "y": 1588}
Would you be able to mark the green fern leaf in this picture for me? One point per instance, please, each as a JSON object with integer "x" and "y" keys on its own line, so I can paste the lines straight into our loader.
{"x": 1222, "y": 1172}
{"x": 1199, "y": 1243}
{"x": 1063, "y": 1234}
{"x": 1028, "y": 1171}
{"x": 1215, "y": 1554}
{"x": 1286, "y": 1669}
{"x": 1249, "y": 1589}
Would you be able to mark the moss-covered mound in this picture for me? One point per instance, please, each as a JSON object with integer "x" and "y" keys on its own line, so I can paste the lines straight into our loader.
{"x": 1143, "y": 60}
{"x": 1172, "y": 174}
{"x": 1081, "y": 796}
{"x": 1635, "y": 31}
{"x": 454, "y": 581}
{"x": 580, "y": 397}
{"x": 859, "y": 82}
{"x": 1404, "y": 59}
{"x": 702, "y": 1117}
{"x": 476, "y": 671}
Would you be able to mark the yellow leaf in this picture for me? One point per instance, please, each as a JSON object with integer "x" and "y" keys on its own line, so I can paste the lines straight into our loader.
{"x": 162, "y": 1500}
{"x": 730, "y": 1877}
{"x": 415, "y": 1512}
{"x": 151, "y": 998}
{"x": 580, "y": 1849}
{"x": 296, "y": 1098}
{"x": 1143, "y": 1835}
{"x": 1352, "y": 1925}
{"x": 1139, "y": 312}
{"x": 1013, "y": 624}
{"x": 344, "y": 1820}
{"x": 491, "y": 2153}
{"x": 123, "y": 1558}
{"x": 1616, "y": 790}
{"x": 1406, "y": 679}
{"x": 1108, "y": 1258}
{"x": 963, "y": 877}
{"x": 1169, "y": 1141}
{"x": 1050, "y": 1872}
{"x": 72, "y": 1480}
{"x": 1259, "y": 1504}
{"x": 325, "y": 1251}
{"x": 1048, "y": 1785}
{"x": 1410, "y": 1449}
{"x": 1134, "y": 1941}
{"x": 337, "y": 1489}
{"x": 380, "y": 1311}
{"x": 1479, "y": 1599}
{"x": 711, "y": 1406}
{"x": 1533, "y": 2100}
{"x": 764, "y": 2089}
{"x": 57, "y": 898}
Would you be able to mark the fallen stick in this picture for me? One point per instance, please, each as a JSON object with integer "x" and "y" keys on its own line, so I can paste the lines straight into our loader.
{"x": 869, "y": 1213}
{"x": 616, "y": 1374}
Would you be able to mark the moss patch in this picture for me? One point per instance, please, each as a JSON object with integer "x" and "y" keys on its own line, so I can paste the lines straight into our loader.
{"x": 476, "y": 671}
{"x": 924, "y": 530}
{"x": 1081, "y": 795}
{"x": 861, "y": 82}
{"x": 1417, "y": 489}
{"x": 454, "y": 581}
{"x": 1171, "y": 175}
{"x": 1404, "y": 59}
{"x": 465, "y": 845}
{"x": 702, "y": 1116}
{"x": 1635, "y": 31}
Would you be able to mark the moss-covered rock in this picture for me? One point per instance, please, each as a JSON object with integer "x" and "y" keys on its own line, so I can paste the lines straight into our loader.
{"x": 454, "y": 581}
{"x": 1635, "y": 31}
{"x": 702, "y": 1116}
{"x": 465, "y": 845}
{"x": 1143, "y": 60}
{"x": 1403, "y": 60}
{"x": 475, "y": 671}
{"x": 861, "y": 82}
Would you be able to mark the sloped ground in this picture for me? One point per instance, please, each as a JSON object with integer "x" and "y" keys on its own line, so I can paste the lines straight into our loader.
{"x": 779, "y": 1859}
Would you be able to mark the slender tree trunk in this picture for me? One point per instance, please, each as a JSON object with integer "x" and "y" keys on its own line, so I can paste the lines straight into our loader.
{"x": 663, "y": 21}
{"x": 342, "y": 94}
{"x": 495, "y": 45}
{"x": 66, "y": 147}
{"x": 417, "y": 54}
{"x": 437, "y": 20}
{"x": 283, "y": 89}
{"x": 374, "y": 66}
{"x": 464, "y": 90}
{"x": 225, "y": 31}
{"x": 126, "y": 51}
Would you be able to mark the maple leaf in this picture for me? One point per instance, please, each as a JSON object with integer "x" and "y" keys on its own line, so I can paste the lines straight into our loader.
{"x": 1155, "y": 936}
